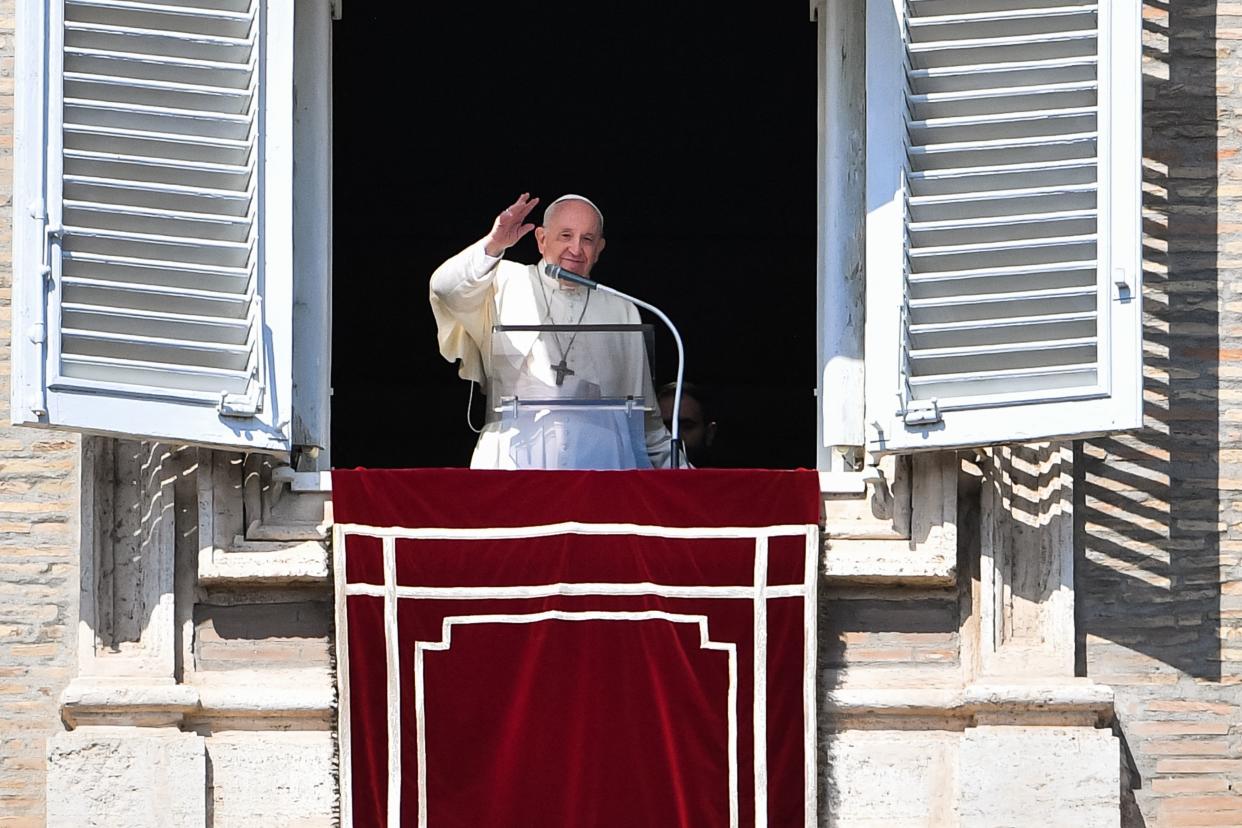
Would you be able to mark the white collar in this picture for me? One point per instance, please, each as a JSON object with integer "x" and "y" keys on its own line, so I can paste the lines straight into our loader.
{"x": 569, "y": 288}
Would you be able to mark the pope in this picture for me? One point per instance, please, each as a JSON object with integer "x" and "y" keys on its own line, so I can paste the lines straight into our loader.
{"x": 477, "y": 290}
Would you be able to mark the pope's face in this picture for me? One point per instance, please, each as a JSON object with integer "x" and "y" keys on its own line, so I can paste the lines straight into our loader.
{"x": 572, "y": 238}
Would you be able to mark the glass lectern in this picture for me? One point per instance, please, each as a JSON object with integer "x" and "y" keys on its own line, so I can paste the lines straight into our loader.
{"x": 572, "y": 396}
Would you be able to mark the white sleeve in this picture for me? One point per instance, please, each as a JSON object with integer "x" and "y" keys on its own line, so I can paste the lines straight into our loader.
{"x": 461, "y": 283}
{"x": 461, "y": 291}
{"x": 659, "y": 441}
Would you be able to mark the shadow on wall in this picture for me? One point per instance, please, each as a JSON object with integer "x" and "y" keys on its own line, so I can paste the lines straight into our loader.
{"x": 133, "y": 490}
{"x": 1150, "y": 506}
{"x": 1149, "y": 520}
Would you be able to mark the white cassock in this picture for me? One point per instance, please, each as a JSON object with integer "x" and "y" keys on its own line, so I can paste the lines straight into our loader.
{"x": 472, "y": 292}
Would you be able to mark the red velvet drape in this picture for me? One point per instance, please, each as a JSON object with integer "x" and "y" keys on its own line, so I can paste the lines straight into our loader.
{"x": 553, "y": 708}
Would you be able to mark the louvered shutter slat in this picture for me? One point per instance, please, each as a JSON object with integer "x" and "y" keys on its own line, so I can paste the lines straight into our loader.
{"x": 80, "y": 112}
{"x": 138, "y": 168}
{"x": 1000, "y": 203}
{"x": 96, "y": 341}
{"x": 959, "y": 310}
{"x": 160, "y": 196}
{"x": 203, "y": 382}
{"x": 165, "y": 299}
{"x": 156, "y": 274}
{"x": 996, "y": 205}
{"x": 1008, "y": 385}
{"x": 933, "y": 8}
{"x": 171, "y": 248}
{"x": 970, "y": 181}
{"x": 177, "y": 21}
{"x": 965, "y": 284}
{"x": 1013, "y": 74}
{"x": 154, "y": 81}
{"x": 1017, "y": 252}
{"x": 154, "y": 145}
{"x": 124, "y": 320}
{"x": 159, "y": 67}
{"x": 162, "y": 222}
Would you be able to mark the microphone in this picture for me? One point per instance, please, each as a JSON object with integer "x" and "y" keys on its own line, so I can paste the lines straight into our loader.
{"x": 558, "y": 272}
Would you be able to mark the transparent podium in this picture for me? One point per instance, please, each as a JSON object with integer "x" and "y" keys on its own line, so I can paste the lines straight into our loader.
{"x": 572, "y": 396}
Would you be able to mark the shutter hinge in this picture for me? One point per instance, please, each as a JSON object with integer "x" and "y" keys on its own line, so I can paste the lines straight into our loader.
{"x": 38, "y": 212}
{"x": 922, "y": 412}
{"x": 241, "y": 405}
{"x": 52, "y": 233}
{"x": 1122, "y": 280}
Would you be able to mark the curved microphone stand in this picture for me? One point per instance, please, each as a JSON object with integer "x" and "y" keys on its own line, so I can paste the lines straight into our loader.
{"x": 558, "y": 272}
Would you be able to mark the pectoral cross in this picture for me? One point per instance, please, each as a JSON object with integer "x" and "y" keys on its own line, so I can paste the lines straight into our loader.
{"x": 561, "y": 369}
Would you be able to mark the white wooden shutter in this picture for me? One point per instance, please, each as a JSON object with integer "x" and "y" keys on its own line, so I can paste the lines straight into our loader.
{"x": 1003, "y": 247}
{"x": 153, "y": 240}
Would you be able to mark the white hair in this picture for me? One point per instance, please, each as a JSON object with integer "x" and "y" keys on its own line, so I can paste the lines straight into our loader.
{"x": 551, "y": 209}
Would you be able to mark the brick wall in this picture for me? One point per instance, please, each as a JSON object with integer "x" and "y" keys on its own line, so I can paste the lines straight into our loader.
{"x": 893, "y": 629}
{"x": 1160, "y": 568}
{"x": 258, "y": 636}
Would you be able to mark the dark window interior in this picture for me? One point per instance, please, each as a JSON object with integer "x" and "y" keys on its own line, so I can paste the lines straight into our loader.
{"x": 691, "y": 124}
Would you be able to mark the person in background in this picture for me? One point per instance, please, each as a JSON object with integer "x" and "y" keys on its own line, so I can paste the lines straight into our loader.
{"x": 698, "y": 428}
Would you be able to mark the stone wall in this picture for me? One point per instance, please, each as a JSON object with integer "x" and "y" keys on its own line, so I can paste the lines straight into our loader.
{"x": 38, "y": 545}
{"x": 1160, "y": 511}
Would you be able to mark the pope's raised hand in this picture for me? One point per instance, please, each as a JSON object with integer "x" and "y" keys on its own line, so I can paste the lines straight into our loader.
{"x": 510, "y": 225}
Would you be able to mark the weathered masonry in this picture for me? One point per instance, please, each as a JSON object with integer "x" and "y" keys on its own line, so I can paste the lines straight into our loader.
{"x": 1030, "y": 606}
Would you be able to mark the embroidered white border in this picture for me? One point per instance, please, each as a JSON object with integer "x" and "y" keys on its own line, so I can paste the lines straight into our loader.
{"x": 445, "y": 642}
{"x": 559, "y": 589}
{"x": 344, "y": 737}
{"x": 576, "y": 528}
{"x": 758, "y": 592}
{"x": 810, "y": 708}
{"x": 759, "y": 684}
{"x": 393, "y": 693}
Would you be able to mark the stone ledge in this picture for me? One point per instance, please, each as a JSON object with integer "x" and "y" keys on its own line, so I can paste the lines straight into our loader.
{"x": 898, "y": 562}
{"x": 133, "y": 701}
{"x": 126, "y": 701}
{"x": 251, "y": 562}
{"x": 302, "y": 693}
{"x": 1082, "y": 696}
{"x": 1073, "y": 697}
{"x": 903, "y": 701}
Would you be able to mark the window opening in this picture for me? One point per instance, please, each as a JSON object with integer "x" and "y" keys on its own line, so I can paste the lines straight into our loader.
{"x": 694, "y": 131}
